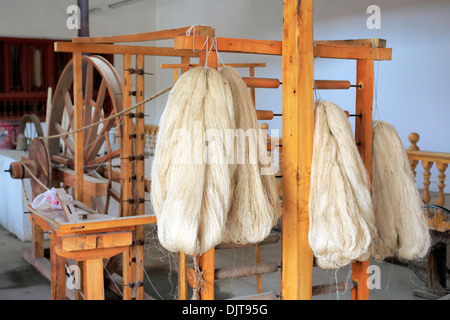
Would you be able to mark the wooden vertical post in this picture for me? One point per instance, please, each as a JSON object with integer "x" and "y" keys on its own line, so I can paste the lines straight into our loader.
{"x": 252, "y": 90}
{"x": 140, "y": 178}
{"x": 127, "y": 172}
{"x": 78, "y": 136}
{"x": 298, "y": 134}
{"x": 78, "y": 123}
{"x": 57, "y": 273}
{"x": 207, "y": 261}
{"x": 182, "y": 257}
{"x": 363, "y": 135}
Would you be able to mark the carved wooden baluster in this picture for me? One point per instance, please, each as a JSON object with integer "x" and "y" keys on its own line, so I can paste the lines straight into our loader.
{"x": 426, "y": 181}
{"x": 413, "y": 138}
{"x": 441, "y": 184}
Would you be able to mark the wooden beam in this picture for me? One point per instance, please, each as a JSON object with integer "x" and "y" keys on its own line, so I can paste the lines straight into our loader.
{"x": 92, "y": 186}
{"x": 148, "y": 36}
{"x": 78, "y": 123}
{"x": 269, "y": 47}
{"x": 378, "y": 43}
{"x": 95, "y": 241}
{"x": 298, "y": 132}
{"x": 124, "y": 222}
{"x": 230, "y": 45}
{"x": 122, "y": 49}
{"x": 363, "y": 135}
{"x": 193, "y": 65}
{"x": 332, "y": 51}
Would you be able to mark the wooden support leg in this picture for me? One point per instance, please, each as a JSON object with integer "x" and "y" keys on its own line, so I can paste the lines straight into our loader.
{"x": 93, "y": 285}
{"x": 298, "y": 134}
{"x": 363, "y": 134}
{"x": 37, "y": 241}
{"x": 207, "y": 263}
{"x": 258, "y": 276}
{"x": 58, "y": 274}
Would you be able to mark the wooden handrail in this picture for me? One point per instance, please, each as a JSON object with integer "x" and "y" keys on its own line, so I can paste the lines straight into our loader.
{"x": 428, "y": 159}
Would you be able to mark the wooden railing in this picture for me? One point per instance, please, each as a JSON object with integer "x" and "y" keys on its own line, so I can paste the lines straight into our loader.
{"x": 428, "y": 159}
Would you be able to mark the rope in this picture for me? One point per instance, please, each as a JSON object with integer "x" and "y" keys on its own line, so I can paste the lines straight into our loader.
{"x": 34, "y": 177}
{"x": 110, "y": 117}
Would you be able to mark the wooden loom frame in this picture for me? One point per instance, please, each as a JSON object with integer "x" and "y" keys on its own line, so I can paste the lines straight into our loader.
{"x": 298, "y": 51}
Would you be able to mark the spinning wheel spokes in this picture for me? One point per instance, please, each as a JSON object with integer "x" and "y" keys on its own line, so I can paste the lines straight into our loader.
{"x": 102, "y": 97}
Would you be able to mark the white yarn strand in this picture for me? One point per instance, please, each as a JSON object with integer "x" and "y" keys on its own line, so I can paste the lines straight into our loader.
{"x": 256, "y": 206}
{"x": 190, "y": 197}
{"x": 401, "y": 222}
{"x": 340, "y": 205}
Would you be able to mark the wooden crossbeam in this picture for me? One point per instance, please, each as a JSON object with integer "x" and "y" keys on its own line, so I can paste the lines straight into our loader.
{"x": 122, "y": 49}
{"x": 148, "y": 36}
{"x": 268, "y": 47}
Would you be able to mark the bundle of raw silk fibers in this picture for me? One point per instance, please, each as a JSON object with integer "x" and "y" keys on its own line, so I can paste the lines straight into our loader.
{"x": 341, "y": 225}
{"x": 256, "y": 206}
{"x": 191, "y": 180}
{"x": 400, "y": 220}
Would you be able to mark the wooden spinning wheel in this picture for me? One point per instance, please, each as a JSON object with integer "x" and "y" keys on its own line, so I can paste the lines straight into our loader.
{"x": 102, "y": 97}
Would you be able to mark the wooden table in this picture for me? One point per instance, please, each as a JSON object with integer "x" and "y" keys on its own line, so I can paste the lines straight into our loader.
{"x": 88, "y": 241}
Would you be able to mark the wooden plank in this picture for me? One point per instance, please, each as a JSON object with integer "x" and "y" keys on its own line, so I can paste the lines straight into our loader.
{"x": 193, "y": 65}
{"x": 92, "y": 186}
{"x": 230, "y": 45}
{"x": 78, "y": 123}
{"x": 363, "y": 135}
{"x": 84, "y": 255}
{"x": 95, "y": 241}
{"x": 122, "y": 49}
{"x": 378, "y": 43}
{"x": 351, "y": 52}
{"x": 148, "y": 36}
{"x": 298, "y": 128}
{"x": 86, "y": 225}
